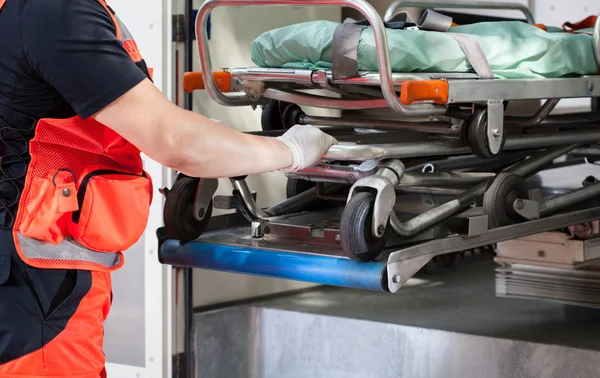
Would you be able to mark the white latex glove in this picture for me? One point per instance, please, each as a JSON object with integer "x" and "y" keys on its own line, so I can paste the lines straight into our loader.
{"x": 308, "y": 145}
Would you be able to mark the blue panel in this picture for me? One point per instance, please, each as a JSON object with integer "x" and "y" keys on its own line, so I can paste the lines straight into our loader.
{"x": 319, "y": 269}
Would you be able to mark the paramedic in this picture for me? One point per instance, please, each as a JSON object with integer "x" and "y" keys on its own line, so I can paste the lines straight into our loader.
{"x": 77, "y": 105}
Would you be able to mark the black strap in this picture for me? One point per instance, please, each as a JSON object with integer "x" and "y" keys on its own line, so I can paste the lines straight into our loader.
{"x": 344, "y": 50}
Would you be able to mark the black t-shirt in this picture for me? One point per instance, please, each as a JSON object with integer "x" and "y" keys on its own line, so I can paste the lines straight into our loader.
{"x": 61, "y": 56}
{"x": 58, "y": 58}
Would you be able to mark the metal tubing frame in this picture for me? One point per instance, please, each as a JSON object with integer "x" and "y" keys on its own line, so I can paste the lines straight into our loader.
{"x": 424, "y": 127}
{"x": 379, "y": 33}
{"x": 246, "y": 194}
{"x": 312, "y": 77}
{"x": 467, "y": 198}
{"x": 462, "y": 4}
{"x": 596, "y": 41}
{"x": 356, "y": 152}
{"x": 540, "y": 114}
{"x": 330, "y": 103}
{"x": 463, "y": 87}
{"x": 469, "y": 162}
{"x": 570, "y": 198}
{"x": 300, "y": 201}
{"x": 384, "y": 77}
{"x": 406, "y": 262}
{"x": 475, "y": 90}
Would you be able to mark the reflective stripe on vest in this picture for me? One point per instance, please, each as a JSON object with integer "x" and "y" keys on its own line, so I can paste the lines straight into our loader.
{"x": 86, "y": 196}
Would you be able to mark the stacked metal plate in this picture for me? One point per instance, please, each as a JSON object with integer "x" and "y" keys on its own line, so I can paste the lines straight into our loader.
{"x": 550, "y": 266}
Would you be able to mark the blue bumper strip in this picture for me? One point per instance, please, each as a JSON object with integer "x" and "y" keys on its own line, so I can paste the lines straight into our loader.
{"x": 319, "y": 269}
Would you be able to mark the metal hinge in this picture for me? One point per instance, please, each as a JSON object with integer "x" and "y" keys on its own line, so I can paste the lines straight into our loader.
{"x": 178, "y": 28}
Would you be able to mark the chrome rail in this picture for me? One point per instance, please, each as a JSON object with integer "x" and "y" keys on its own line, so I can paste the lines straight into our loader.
{"x": 450, "y": 147}
{"x": 462, "y": 4}
{"x": 381, "y": 44}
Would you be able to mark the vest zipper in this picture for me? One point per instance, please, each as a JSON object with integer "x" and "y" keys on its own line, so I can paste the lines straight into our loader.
{"x": 83, "y": 187}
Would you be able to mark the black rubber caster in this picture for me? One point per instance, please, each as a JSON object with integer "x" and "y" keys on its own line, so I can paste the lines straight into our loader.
{"x": 279, "y": 115}
{"x": 476, "y": 135}
{"x": 291, "y": 115}
{"x": 178, "y": 211}
{"x": 356, "y": 237}
{"x": 499, "y": 198}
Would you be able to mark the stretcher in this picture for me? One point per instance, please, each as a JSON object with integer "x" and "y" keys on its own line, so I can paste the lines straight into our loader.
{"x": 428, "y": 162}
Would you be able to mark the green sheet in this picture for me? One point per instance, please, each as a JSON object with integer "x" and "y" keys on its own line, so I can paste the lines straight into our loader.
{"x": 514, "y": 49}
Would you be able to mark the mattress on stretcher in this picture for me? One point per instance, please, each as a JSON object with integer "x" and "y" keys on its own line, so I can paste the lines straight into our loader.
{"x": 515, "y": 50}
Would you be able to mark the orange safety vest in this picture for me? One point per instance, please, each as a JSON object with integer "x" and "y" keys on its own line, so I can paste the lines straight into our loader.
{"x": 86, "y": 196}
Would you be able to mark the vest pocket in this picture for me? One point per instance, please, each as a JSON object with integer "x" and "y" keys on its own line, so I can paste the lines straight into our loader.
{"x": 113, "y": 210}
{"x": 49, "y": 204}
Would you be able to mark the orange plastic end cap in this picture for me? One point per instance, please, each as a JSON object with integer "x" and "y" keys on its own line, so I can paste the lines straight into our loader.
{"x": 424, "y": 90}
{"x": 193, "y": 81}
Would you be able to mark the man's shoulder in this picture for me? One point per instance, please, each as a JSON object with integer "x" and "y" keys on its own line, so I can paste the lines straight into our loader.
{"x": 64, "y": 10}
{"x": 60, "y": 5}
{"x": 65, "y": 17}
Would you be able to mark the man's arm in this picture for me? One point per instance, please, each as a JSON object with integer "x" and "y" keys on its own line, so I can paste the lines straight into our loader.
{"x": 196, "y": 145}
{"x": 72, "y": 46}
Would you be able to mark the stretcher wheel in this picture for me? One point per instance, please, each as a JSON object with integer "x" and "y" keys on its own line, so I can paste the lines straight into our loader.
{"x": 499, "y": 198}
{"x": 477, "y": 135}
{"x": 178, "y": 211}
{"x": 270, "y": 119}
{"x": 291, "y": 115}
{"x": 279, "y": 115}
{"x": 358, "y": 242}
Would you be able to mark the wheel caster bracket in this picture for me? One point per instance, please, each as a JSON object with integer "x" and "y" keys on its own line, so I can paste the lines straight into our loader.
{"x": 399, "y": 272}
{"x": 527, "y": 208}
{"x": 383, "y": 182}
{"x": 204, "y": 193}
{"x": 495, "y": 125}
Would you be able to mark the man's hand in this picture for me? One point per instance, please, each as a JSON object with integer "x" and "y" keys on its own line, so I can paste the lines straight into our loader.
{"x": 308, "y": 145}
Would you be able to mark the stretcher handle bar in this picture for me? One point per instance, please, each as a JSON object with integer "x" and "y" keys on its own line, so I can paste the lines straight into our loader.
{"x": 381, "y": 44}
{"x": 462, "y": 4}
{"x": 596, "y": 41}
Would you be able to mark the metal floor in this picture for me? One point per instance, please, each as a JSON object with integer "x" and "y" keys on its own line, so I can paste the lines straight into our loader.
{"x": 445, "y": 325}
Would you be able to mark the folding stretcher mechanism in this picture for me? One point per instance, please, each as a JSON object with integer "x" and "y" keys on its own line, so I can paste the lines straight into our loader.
{"x": 428, "y": 161}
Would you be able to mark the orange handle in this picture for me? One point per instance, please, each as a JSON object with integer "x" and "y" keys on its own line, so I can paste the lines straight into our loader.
{"x": 193, "y": 81}
{"x": 424, "y": 90}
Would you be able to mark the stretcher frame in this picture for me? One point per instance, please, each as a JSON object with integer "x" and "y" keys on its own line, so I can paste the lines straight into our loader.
{"x": 244, "y": 249}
